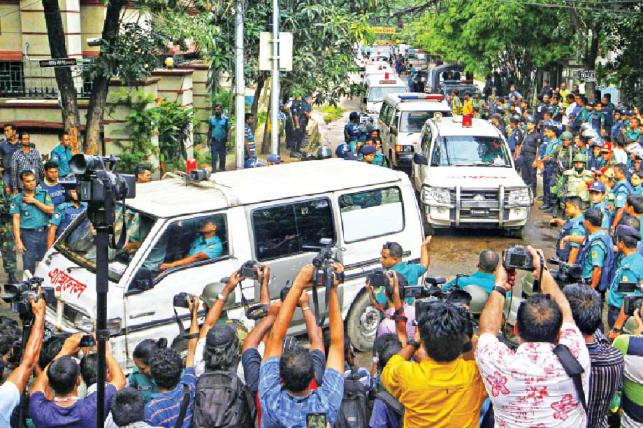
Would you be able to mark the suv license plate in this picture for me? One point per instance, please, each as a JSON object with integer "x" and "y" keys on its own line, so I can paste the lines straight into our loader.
{"x": 479, "y": 212}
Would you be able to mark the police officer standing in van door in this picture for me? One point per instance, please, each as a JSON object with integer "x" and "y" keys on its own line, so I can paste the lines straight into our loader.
{"x": 31, "y": 209}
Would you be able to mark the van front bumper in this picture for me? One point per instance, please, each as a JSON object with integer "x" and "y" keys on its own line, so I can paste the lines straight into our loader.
{"x": 477, "y": 208}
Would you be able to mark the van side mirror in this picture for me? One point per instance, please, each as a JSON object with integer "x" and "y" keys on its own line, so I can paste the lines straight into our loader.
{"x": 420, "y": 159}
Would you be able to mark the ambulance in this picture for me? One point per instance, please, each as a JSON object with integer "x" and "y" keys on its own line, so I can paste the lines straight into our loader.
{"x": 377, "y": 87}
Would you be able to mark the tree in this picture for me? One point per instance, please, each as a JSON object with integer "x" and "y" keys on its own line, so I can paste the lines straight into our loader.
{"x": 64, "y": 80}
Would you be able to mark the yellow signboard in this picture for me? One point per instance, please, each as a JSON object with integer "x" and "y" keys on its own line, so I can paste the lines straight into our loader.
{"x": 383, "y": 30}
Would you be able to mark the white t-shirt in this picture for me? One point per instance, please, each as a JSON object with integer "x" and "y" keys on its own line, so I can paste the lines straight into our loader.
{"x": 9, "y": 399}
{"x": 529, "y": 387}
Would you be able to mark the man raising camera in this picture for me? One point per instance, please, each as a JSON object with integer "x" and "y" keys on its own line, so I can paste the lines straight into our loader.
{"x": 530, "y": 387}
{"x": 440, "y": 388}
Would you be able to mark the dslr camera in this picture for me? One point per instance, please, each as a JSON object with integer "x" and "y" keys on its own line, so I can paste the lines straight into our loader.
{"x": 181, "y": 300}
{"x": 379, "y": 277}
{"x": 518, "y": 257}
{"x": 18, "y": 296}
{"x": 251, "y": 270}
{"x": 630, "y": 302}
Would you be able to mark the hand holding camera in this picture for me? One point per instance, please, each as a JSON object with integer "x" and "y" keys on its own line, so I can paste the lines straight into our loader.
{"x": 305, "y": 277}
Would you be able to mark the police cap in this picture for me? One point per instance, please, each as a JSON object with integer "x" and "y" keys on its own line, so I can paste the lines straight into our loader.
{"x": 531, "y": 119}
{"x": 598, "y": 187}
{"x": 566, "y": 135}
{"x": 623, "y": 231}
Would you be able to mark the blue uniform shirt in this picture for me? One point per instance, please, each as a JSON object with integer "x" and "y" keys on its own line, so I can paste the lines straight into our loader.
{"x": 577, "y": 228}
{"x": 481, "y": 279}
{"x": 411, "y": 271}
{"x": 62, "y": 155}
{"x": 211, "y": 247}
{"x": 56, "y": 192}
{"x": 30, "y": 215}
{"x": 249, "y": 138}
{"x": 621, "y": 190}
{"x": 607, "y": 219}
{"x": 220, "y": 127}
{"x": 629, "y": 269}
{"x": 65, "y": 214}
{"x": 596, "y": 255}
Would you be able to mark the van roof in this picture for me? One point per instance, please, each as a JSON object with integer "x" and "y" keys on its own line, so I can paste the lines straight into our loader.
{"x": 171, "y": 197}
{"x": 420, "y": 104}
{"x": 453, "y": 126}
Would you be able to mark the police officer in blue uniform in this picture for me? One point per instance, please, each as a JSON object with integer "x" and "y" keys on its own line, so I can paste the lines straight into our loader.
{"x": 31, "y": 209}
{"x": 629, "y": 269}
{"x": 527, "y": 154}
{"x": 205, "y": 247}
{"x": 64, "y": 215}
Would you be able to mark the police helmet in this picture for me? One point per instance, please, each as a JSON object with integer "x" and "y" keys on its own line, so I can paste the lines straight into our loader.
{"x": 324, "y": 152}
{"x": 566, "y": 135}
{"x": 531, "y": 119}
{"x": 211, "y": 292}
{"x": 580, "y": 157}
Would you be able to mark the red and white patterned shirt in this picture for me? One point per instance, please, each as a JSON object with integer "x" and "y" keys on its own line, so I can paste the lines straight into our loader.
{"x": 529, "y": 387}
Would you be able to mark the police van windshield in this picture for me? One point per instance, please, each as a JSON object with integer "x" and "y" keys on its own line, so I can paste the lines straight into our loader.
{"x": 79, "y": 241}
{"x": 413, "y": 121}
{"x": 376, "y": 94}
{"x": 468, "y": 150}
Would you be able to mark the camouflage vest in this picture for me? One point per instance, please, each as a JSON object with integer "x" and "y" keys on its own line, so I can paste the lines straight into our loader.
{"x": 576, "y": 184}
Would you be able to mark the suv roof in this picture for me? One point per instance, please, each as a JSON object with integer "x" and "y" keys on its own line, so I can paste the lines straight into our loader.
{"x": 171, "y": 197}
{"x": 453, "y": 126}
{"x": 424, "y": 102}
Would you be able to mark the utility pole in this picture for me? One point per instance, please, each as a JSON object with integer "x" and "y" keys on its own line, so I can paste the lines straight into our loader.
{"x": 274, "y": 101}
{"x": 240, "y": 85}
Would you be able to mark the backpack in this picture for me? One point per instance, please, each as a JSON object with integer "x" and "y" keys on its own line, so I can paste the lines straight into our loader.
{"x": 222, "y": 400}
{"x": 353, "y": 411}
{"x": 392, "y": 404}
{"x": 606, "y": 271}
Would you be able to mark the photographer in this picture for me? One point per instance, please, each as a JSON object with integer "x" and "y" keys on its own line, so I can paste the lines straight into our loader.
{"x": 11, "y": 390}
{"x": 286, "y": 399}
{"x": 631, "y": 346}
{"x": 629, "y": 268}
{"x": 529, "y": 387}
{"x": 173, "y": 382}
{"x": 215, "y": 309}
{"x": 607, "y": 362}
{"x": 62, "y": 375}
{"x": 441, "y": 389}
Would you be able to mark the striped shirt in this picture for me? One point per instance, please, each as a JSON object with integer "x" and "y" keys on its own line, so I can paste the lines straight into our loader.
{"x": 21, "y": 161}
{"x": 605, "y": 378}
{"x": 164, "y": 407}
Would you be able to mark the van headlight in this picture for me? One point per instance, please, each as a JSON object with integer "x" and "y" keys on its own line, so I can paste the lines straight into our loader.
{"x": 519, "y": 197}
{"x": 436, "y": 196}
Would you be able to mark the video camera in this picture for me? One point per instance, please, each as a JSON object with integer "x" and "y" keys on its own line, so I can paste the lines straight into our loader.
{"x": 19, "y": 296}
{"x": 95, "y": 182}
{"x": 630, "y": 303}
{"x": 379, "y": 277}
{"x": 566, "y": 273}
{"x": 324, "y": 274}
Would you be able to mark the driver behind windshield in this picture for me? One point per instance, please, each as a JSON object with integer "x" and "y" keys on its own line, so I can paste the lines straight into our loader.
{"x": 206, "y": 246}
{"x": 491, "y": 152}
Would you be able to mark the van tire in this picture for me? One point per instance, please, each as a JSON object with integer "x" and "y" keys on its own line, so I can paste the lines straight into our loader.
{"x": 362, "y": 322}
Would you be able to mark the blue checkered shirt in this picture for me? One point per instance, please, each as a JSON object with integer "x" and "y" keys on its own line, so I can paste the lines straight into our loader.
{"x": 279, "y": 409}
{"x": 164, "y": 407}
{"x": 22, "y": 162}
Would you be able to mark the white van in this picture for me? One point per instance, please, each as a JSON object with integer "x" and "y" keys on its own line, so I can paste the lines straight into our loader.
{"x": 466, "y": 177}
{"x": 401, "y": 120}
{"x": 377, "y": 87}
{"x": 271, "y": 214}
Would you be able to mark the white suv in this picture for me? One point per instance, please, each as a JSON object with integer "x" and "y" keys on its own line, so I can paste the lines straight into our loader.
{"x": 401, "y": 120}
{"x": 466, "y": 177}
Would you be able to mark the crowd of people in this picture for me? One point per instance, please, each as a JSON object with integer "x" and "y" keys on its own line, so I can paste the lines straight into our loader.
{"x": 430, "y": 366}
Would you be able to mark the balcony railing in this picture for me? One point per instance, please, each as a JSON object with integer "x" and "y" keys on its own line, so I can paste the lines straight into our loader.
{"x": 26, "y": 79}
